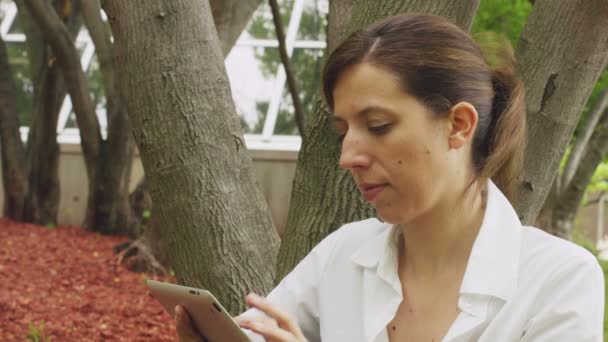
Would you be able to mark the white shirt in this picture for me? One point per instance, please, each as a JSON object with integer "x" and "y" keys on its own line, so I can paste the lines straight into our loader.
{"x": 520, "y": 284}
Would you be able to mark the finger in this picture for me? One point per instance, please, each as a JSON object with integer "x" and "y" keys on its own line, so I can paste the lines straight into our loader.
{"x": 263, "y": 319}
{"x": 185, "y": 329}
{"x": 271, "y": 310}
{"x": 270, "y": 331}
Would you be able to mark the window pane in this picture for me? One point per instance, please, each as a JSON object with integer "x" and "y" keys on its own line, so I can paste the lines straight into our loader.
{"x": 314, "y": 21}
{"x": 307, "y": 69}
{"x": 24, "y": 88}
{"x": 16, "y": 26}
{"x": 252, "y": 71}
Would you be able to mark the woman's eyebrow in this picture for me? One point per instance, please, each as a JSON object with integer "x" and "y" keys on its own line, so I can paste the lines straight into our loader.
{"x": 363, "y": 112}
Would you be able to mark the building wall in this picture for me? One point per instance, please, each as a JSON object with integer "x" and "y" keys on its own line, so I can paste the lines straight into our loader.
{"x": 274, "y": 169}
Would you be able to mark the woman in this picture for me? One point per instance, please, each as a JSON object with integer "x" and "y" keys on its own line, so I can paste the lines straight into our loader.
{"x": 433, "y": 138}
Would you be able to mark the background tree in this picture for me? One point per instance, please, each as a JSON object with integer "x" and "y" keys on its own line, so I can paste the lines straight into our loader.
{"x": 14, "y": 178}
{"x": 559, "y": 65}
{"x": 40, "y": 80}
{"x": 213, "y": 219}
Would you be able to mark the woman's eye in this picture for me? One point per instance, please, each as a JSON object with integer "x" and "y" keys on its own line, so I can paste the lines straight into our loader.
{"x": 379, "y": 129}
{"x": 340, "y": 133}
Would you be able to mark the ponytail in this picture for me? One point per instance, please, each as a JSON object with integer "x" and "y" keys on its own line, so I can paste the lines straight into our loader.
{"x": 507, "y": 129}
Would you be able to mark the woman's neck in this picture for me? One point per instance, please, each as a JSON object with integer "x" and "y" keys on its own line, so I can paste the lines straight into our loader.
{"x": 442, "y": 239}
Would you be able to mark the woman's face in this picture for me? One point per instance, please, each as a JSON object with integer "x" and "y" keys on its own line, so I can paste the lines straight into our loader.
{"x": 397, "y": 151}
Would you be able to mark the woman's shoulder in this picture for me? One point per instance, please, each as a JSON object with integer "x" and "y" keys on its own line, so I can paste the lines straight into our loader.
{"x": 543, "y": 254}
{"x": 560, "y": 288}
{"x": 543, "y": 246}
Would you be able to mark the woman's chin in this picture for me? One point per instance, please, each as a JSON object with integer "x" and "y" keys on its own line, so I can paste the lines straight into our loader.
{"x": 389, "y": 216}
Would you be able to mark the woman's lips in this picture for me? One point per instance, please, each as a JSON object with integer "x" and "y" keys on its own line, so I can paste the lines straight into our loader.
{"x": 370, "y": 192}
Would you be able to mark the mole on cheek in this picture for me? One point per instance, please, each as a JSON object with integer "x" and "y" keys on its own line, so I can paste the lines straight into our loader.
{"x": 400, "y": 162}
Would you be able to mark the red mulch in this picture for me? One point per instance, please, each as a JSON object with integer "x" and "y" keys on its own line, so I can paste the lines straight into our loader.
{"x": 67, "y": 281}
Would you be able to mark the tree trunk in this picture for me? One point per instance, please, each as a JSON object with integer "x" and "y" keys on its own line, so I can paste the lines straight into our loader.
{"x": 231, "y": 17}
{"x": 14, "y": 173}
{"x": 212, "y": 217}
{"x": 460, "y": 12}
{"x": 140, "y": 202}
{"x": 42, "y": 148}
{"x": 323, "y": 196}
{"x": 562, "y": 51}
{"x": 60, "y": 40}
{"x": 110, "y": 211}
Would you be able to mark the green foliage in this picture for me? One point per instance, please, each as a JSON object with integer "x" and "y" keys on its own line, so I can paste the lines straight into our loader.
{"x": 599, "y": 181}
{"x": 50, "y": 225}
{"x": 35, "y": 333}
{"x": 24, "y": 88}
{"x": 507, "y": 17}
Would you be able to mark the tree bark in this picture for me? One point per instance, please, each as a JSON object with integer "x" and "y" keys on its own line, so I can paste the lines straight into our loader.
{"x": 460, "y": 12}
{"x": 110, "y": 211}
{"x": 42, "y": 151}
{"x": 212, "y": 217}
{"x": 14, "y": 173}
{"x": 323, "y": 196}
{"x": 562, "y": 51}
{"x": 231, "y": 17}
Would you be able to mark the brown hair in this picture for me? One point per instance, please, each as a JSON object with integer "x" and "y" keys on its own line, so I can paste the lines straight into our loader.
{"x": 441, "y": 65}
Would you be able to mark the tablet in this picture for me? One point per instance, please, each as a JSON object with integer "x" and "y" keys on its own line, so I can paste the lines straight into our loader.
{"x": 211, "y": 319}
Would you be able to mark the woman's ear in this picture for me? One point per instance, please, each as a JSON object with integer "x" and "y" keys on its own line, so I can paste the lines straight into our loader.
{"x": 463, "y": 122}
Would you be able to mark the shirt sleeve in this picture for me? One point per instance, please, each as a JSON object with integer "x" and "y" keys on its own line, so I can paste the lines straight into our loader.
{"x": 572, "y": 305}
{"x": 297, "y": 294}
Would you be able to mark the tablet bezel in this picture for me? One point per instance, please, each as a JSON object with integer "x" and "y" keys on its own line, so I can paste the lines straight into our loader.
{"x": 206, "y": 312}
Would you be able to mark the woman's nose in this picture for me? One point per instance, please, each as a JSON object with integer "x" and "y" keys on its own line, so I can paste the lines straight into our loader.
{"x": 353, "y": 153}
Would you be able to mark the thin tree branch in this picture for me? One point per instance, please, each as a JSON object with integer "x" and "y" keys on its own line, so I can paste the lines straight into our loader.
{"x": 594, "y": 154}
{"x": 61, "y": 43}
{"x": 291, "y": 82}
{"x": 583, "y": 138}
{"x": 91, "y": 13}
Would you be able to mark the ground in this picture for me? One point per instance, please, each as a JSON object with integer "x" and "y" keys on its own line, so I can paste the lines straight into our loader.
{"x": 65, "y": 284}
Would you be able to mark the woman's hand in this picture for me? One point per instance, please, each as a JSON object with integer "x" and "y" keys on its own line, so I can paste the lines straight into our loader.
{"x": 277, "y": 327}
{"x": 186, "y": 332}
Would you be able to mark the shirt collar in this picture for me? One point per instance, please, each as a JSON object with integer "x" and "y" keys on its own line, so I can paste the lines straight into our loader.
{"x": 493, "y": 264}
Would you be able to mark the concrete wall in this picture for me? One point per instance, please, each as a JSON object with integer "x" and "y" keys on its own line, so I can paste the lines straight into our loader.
{"x": 274, "y": 169}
